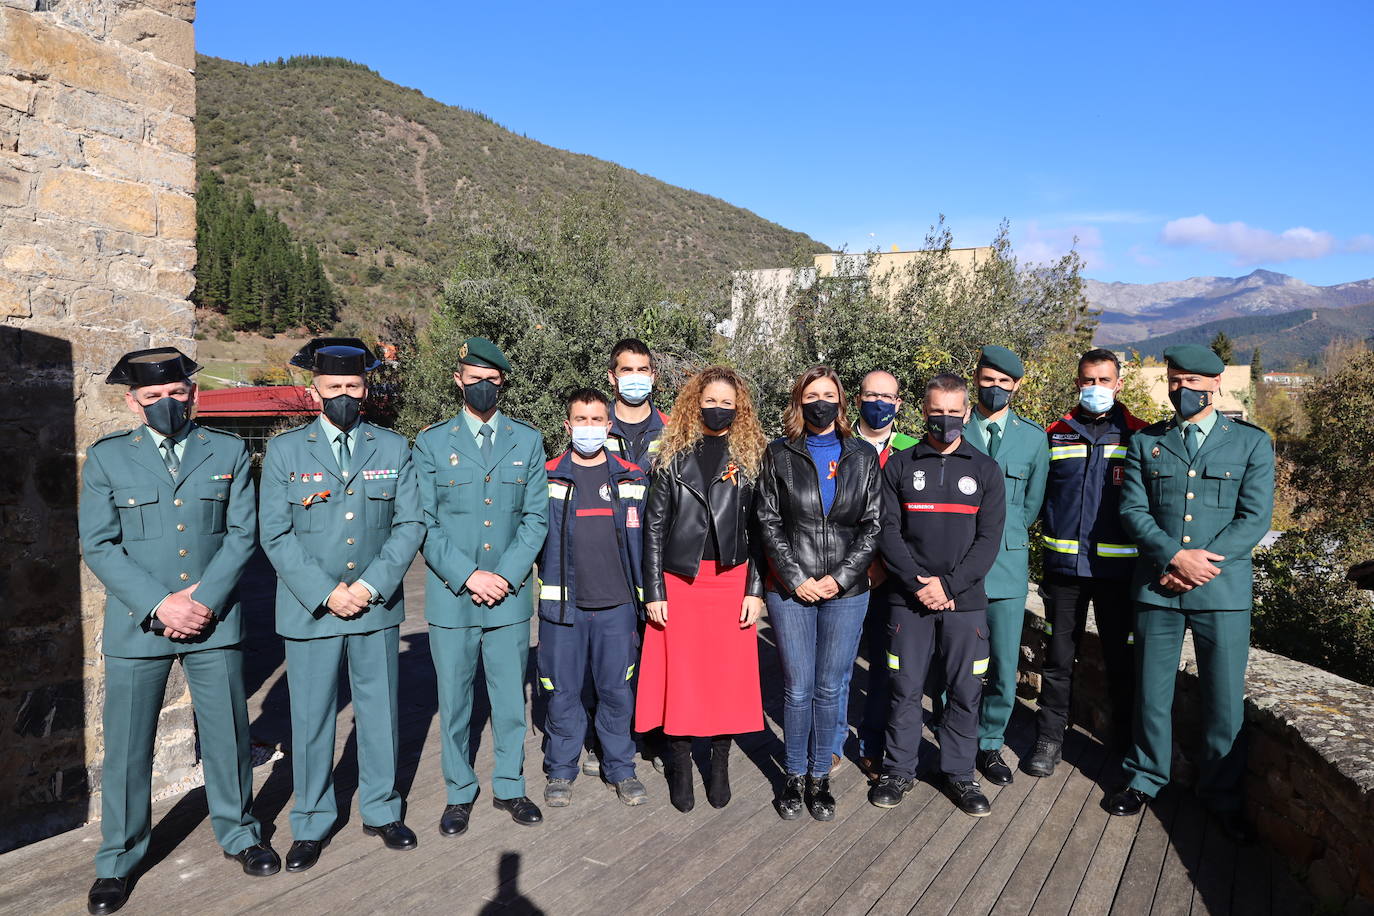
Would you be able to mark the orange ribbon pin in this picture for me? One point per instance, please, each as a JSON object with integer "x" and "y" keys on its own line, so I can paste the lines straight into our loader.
{"x": 731, "y": 472}
{"x": 314, "y": 498}
{"x": 834, "y": 467}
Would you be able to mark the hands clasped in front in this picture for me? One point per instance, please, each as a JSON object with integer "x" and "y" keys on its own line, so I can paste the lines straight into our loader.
{"x": 1191, "y": 568}
{"x": 182, "y": 616}
{"x": 751, "y": 609}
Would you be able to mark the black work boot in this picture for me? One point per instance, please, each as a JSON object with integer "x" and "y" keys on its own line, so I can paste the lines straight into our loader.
{"x": 1044, "y": 758}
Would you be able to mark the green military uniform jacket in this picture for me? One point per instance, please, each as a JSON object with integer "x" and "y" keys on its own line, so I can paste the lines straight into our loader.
{"x": 368, "y": 526}
{"x": 146, "y": 535}
{"x": 487, "y": 515}
{"x": 1024, "y": 457}
{"x": 1221, "y": 500}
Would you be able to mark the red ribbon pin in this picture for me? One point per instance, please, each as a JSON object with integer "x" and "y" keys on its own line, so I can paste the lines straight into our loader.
{"x": 314, "y": 498}
{"x": 834, "y": 467}
{"x": 731, "y": 473}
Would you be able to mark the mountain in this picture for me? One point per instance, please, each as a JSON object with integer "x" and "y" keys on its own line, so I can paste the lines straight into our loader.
{"x": 1133, "y": 311}
{"x": 380, "y": 177}
{"x": 1287, "y": 340}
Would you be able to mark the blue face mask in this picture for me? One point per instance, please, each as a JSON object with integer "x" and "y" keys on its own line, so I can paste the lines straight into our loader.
{"x": 634, "y": 389}
{"x": 588, "y": 440}
{"x": 877, "y": 414}
{"x": 1096, "y": 398}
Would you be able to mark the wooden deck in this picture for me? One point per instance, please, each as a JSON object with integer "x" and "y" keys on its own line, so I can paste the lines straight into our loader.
{"x": 1047, "y": 848}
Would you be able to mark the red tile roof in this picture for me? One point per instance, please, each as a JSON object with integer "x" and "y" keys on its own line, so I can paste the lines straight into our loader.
{"x": 261, "y": 401}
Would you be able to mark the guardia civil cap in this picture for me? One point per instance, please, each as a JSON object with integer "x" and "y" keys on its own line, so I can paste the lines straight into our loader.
{"x": 156, "y": 366}
{"x": 336, "y": 356}
{"x": 1003, "y": 360}
{"x": 478, "y": 351}
{"x": 1194, "y": 358}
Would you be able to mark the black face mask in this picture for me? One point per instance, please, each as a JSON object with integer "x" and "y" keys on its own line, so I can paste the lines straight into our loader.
{"x": 993, "y": 398}
{"x": 482, "y": 396}
{"x": 820, "y": 414}
{"x": 168, "y": 416}
{"x": 1190, "y": 402}
{"x": 343, "y": 410}
{"x": 717, "y": 418}
{"x": 945, "y": 428}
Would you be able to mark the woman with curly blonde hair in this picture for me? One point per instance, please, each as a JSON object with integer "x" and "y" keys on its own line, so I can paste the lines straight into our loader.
{"x": 699, "y": 669}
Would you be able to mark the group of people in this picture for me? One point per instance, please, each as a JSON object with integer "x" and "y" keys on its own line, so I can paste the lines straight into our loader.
{"x": 650, "y": 548}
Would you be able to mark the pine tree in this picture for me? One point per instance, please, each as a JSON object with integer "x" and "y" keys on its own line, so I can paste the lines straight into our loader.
{"x": 1221, "y": 345}
{"x": 252, "y": 269}
{"x": 1256, "y": 367}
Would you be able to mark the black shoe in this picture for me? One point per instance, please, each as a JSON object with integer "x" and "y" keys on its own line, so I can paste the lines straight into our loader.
{"x": 889, "y": 790}
{"x": 968, "y": 796}
{"x": 680, "y": 780}
{"x": 454, "y": 820}
{"x": 303, "y": 854}
{"x": 523, "y": 811}
{"x": 107, "y": 895}
{"x": 1236, "y": 826}
{"x": 991, "y": 765}
{"x": 395, "y": 835}
{"x": 591, "y": 764}
{"x": 718, "y": 785}
{"x": 819, "y": 801}
{"x": 258, "y": 861}
{"x": 790, "y": 803}
{"x": 1044, "y": 758}
{"x": 1126, "y": 802}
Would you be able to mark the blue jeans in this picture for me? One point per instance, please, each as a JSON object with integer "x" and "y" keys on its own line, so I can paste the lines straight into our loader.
{"x": 818, "y": 644}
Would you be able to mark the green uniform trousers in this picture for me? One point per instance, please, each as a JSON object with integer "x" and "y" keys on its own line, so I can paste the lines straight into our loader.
{"x": 1222, "y": 642}
{"x": 1006, "y": 617}
{"x": 134, "y": 689}
{"x": 312, "y": 671}
{"x": 505, "y": 655}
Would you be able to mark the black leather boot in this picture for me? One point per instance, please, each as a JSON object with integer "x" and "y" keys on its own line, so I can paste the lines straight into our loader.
{"x": 680, "y": 774}
{"x": 718, "y": 789}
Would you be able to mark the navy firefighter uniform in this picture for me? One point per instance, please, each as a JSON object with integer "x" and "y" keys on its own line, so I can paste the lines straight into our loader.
{"x": 590, "y": 599}
{"x": 942, "y": 515}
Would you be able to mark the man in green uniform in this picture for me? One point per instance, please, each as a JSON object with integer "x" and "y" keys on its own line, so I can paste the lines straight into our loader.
{"x": 168, "y": 522}
{"x": 1197, "y": 497}
{"x": 341, "y": 522}
{"x": 485, "y": 494}
{"x": 1020, "y": 449}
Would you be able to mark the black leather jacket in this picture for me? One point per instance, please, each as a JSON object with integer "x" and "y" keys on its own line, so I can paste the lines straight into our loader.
{"x": 676, "y": 523}
{"x": 800, "y": 540}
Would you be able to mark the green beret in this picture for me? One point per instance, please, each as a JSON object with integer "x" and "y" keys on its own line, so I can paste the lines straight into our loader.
{"x": 1003, "y": 360}
{"x": 478, "y": 351}
{"x": 1194, "y": 358}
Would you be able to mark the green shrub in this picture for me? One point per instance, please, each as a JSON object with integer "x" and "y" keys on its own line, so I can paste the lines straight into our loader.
{"x": 1306, "y": 610}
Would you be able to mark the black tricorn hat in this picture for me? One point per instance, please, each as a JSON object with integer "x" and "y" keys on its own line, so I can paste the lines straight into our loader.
{"x": 336, "y": 356}
{"x": 156, "y": 366}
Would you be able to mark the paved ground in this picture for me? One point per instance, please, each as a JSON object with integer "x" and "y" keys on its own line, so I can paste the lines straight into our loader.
{"x": 1047, "y": 848}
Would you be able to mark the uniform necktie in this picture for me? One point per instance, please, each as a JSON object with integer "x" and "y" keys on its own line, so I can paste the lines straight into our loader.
{"x": 486, "y": 432}
{"x": 994, "y": 439}
{"x": 1190, "y": 434}
{"x": 345, "y": 453}
{"x": 169, "y": 456}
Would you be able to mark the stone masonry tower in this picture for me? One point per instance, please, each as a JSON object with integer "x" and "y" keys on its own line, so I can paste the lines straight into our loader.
{"x": 97, "y": 247}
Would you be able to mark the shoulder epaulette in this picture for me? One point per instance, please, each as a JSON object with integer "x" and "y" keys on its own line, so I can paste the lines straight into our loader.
{"x": 118, "y": 434}
{"x": 528, "y": 426}
{"x": 221, "y": 432}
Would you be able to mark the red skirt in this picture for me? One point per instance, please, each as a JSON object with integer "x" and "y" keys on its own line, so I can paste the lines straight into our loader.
{"x": 699, "y": 675}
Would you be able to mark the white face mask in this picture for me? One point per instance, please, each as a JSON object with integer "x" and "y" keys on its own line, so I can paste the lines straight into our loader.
{"x": 634, "y": 389}
{"x": 588, "y": 440}
{"x": 1096, "y": 398}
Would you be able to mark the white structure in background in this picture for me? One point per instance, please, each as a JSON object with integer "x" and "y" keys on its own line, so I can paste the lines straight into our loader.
{"x": 769, "y": 288}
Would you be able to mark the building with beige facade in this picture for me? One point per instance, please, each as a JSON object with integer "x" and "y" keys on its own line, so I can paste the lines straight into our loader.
{"x": 768, "y": 289}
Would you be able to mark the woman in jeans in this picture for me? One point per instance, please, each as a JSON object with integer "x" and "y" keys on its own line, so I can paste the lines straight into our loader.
{"x": 818, "y": 514}
{"x": 703, "y": 582}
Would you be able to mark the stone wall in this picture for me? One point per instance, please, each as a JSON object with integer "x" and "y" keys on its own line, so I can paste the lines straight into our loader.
{"x": 1310, "y": 785}
{"x": 97, "y": 245}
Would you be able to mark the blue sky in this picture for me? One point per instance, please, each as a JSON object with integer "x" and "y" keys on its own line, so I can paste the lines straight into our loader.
{"x": 1172, "y": 139}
